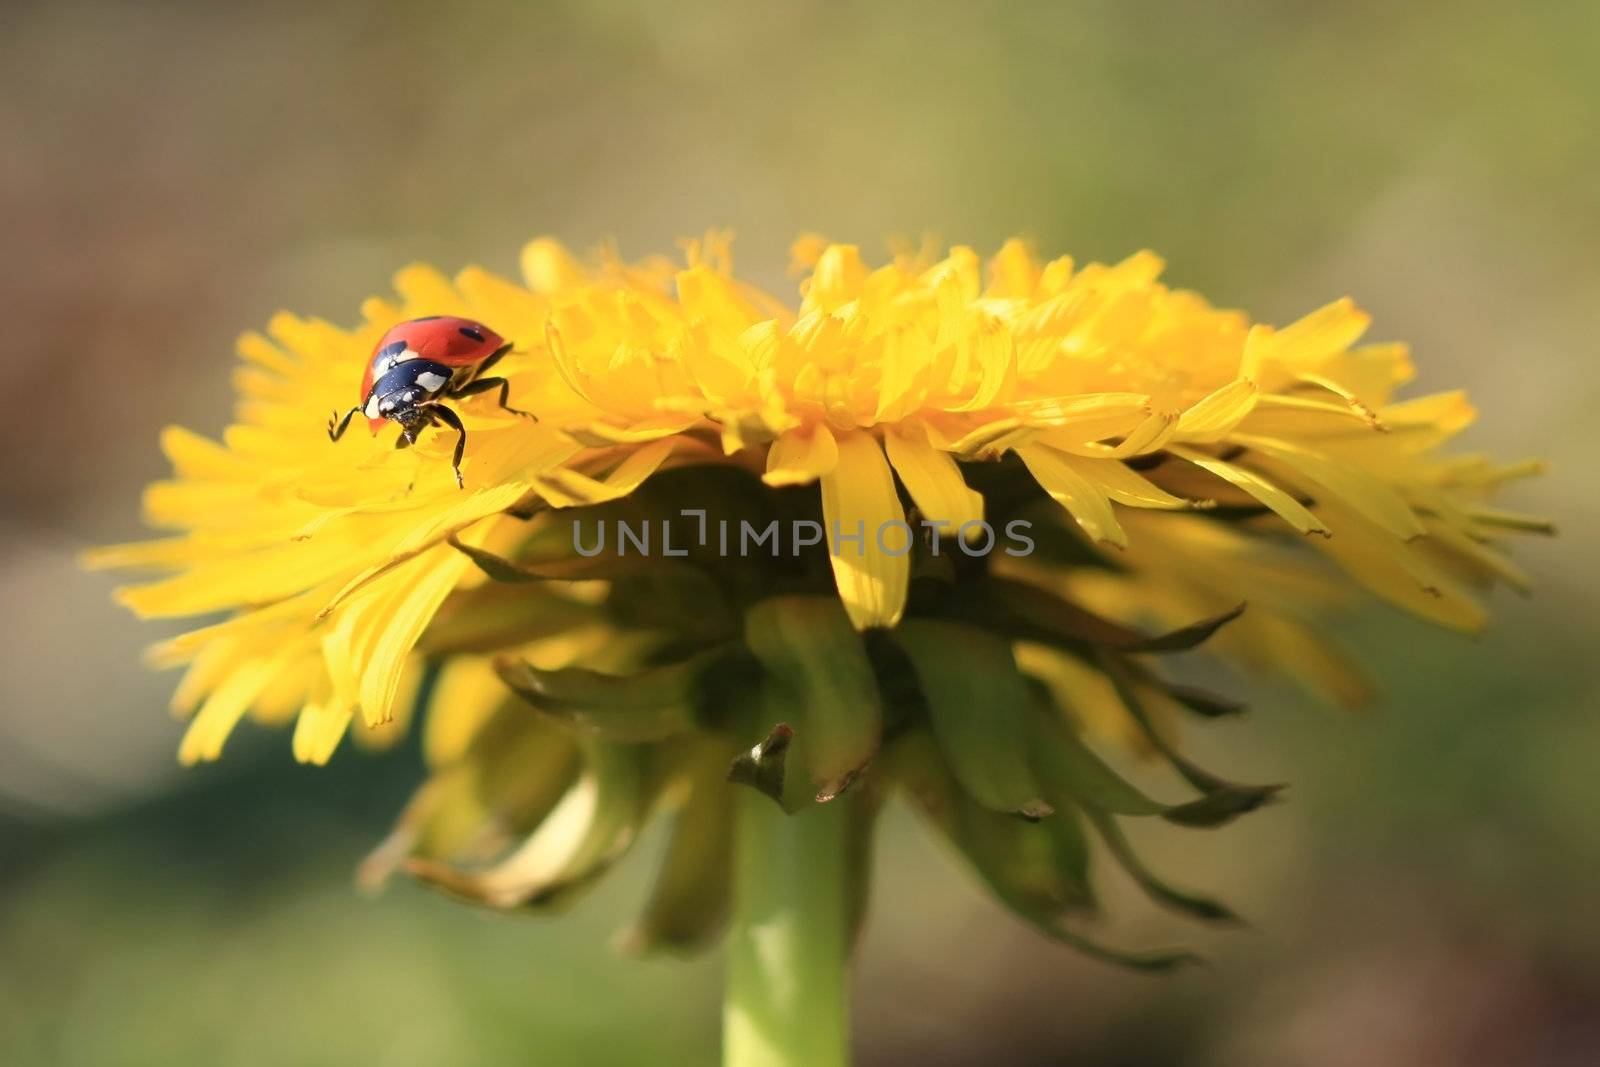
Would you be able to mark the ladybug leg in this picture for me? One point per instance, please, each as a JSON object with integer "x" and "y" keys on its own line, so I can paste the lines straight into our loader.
{"x": 494, "y": 357}
{"x": 337, "y": 426}
{"x": 484, "y": 385}
{"x": 442, "y": 414}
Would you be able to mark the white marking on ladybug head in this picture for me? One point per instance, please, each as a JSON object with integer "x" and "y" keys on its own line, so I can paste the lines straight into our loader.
{"x": 431, "y": 382}
{"x": 372, "y": 411}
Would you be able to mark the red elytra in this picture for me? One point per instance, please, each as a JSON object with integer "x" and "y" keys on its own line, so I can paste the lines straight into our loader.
{"x": 446, "y": 339}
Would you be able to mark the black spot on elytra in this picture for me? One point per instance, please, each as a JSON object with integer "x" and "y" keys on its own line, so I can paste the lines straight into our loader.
{"x": 472, "y": 332}
{"x": 393, "y": 348}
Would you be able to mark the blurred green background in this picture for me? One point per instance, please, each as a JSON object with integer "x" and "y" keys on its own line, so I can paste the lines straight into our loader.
{"x": 173, "y": 173}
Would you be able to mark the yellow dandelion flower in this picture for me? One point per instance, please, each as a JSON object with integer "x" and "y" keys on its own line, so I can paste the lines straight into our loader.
{"x": 912, "y": 531}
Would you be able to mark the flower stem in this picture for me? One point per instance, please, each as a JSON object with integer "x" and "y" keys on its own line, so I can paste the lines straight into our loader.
{"x": 787, "y": 998}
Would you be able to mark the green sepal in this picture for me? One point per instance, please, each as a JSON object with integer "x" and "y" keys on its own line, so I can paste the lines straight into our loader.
{"x": 864, "y": 805}
{"x": 595, "y": 822}
{"x": 678, "y": 601}
{"x": 689, "y": 901}
{"x": 494, "y": 616}
{"x": 925, "y": 565}
{"x": 820, "y": 679}
{"x": 1186, "y": 638}
{"x": 501, "y": 787}
{"x": 651, "y": 705}
{"x": 1034, "y": 868}
{"x": 1223, "y": 800}
{"x": 1201, "y": 907}
{"x": 521, "y": 767}
{"x": 1202, "y": 702}
{"x": 668, "y": 595}
{"x": 1152, "y": 961}
{"x": 1073, "y": 853}
{"x": 1070, "y": 771}
{"x": 1031, "y": 867}
{"x": 764, "y": 766}
{"x": 555, "y": 569}
{"x": 981, "y": 711}
{"x": 1029, "y": 612}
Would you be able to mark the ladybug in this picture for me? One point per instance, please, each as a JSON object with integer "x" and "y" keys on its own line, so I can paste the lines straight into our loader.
{"x": 417, "y": 366}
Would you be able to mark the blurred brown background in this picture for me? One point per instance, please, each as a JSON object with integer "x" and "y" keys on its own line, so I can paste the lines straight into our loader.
{"x": 173, "y": 173}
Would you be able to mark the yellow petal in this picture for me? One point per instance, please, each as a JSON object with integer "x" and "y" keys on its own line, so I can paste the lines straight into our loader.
{"x": 801, "y": 456}
{"x": 1276, "y": 415}
{"x": 258, "y": 350}
{"x": 515, "y": 311}
{"x": 1361, "y": 490}
{"x": 283, "y": 697}
{"x": 933, "y": 479}
{"x": 1148, "y": 436}
{"x": 568, "y": 488}
{"x": 1274, "y": 356}
{"x": 212, "y": 663}
{"x": 464, "y": 697}
{"x": 1220, "y": 411}
{"x": 318, "y": 731}
{"x": 168, "y": 553}
{"x": 603, "y": 435}
{"x": 402, "y": 706}
{"x": 1281, "y": 503}
{"x": 1477, "y": 558}
{"x": 1371, "y": 373}
{"x": 193, "y": 456}
{"x": 565, "y": 363}
{"x": 1439, "y": 415}
{"x": 859, "y": 504}
{"x": 1121, "y": 410}
{"x": 836, "y": 279}
{"x": 994, "y": 354}
{"x": 1498, "y": 519}
{"x": 1351, "y": 400}
{"x": 428, "y": 291}
{"x": 466, "y": 509}
{"x": 259, "y": 577}
{"x": 548, "y": 267}
{"x": 225, "y": 706}
{"x": 1126, "y": 486}
{"x": 905, "y": 361}
{"x": 1013, "y": 272}
{"x": 1398, "y": 572}
{"x": 718, "y": 367}
{"x": 1331, "y": 328}
{"x": 980, "y": 438}
{"x": 402, "y": 626}
{"x": 1057, "y": 474}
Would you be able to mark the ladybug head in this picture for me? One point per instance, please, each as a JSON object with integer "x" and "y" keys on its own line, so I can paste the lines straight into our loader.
{"x": 404, "y": 406}
{"x": 410, "y": 417}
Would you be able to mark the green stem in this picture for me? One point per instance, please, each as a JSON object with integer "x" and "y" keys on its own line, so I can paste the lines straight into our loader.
{"x": 787, "y": 997}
